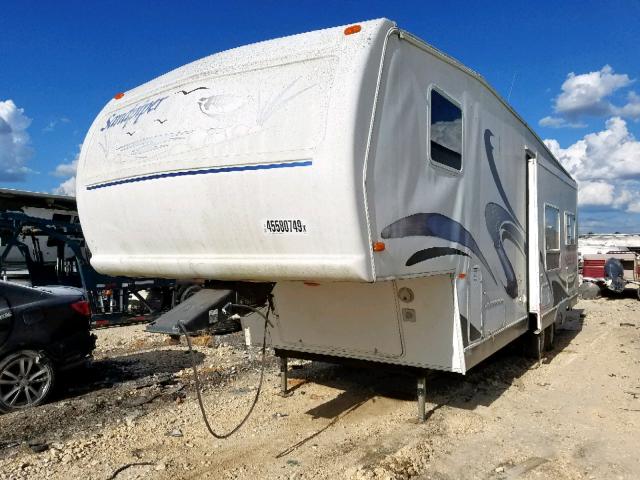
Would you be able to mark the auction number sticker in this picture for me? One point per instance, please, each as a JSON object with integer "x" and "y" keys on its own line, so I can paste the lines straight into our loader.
{"x": 281, "y": 226}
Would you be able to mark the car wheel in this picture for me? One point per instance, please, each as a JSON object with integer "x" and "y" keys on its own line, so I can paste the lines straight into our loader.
{"x": 26, "y": 380}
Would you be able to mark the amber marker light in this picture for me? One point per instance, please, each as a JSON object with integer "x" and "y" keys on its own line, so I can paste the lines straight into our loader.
{"x": 379, "y": 246}
{"x": 118, "y": 95}
{"x": 352, "y": 29}
{"x": 462, "y": 276}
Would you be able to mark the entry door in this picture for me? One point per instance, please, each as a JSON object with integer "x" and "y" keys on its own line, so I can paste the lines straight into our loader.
{"x": 534, "y": 249}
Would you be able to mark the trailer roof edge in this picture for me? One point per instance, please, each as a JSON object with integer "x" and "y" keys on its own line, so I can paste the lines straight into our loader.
{"x": 420, "y": 43}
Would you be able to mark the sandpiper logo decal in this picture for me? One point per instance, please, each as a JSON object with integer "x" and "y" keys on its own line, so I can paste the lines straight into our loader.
{"x": 187, "y": 92}
{"x": 134, "y": 114}
{"x": 221, "y": 104}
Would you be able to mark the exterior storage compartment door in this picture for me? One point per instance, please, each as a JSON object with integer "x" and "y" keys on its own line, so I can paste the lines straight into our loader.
{"x": 358, "y": 319}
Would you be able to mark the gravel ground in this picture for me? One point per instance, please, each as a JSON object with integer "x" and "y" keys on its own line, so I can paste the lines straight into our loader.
{"x": 575, "y": 416}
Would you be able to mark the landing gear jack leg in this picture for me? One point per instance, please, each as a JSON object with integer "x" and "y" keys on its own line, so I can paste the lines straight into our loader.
{"x": 422, "y": 398}
{"x": 283, "y": 376}
{"x": 539, "y": 342}
{"x": 534, "y": 343}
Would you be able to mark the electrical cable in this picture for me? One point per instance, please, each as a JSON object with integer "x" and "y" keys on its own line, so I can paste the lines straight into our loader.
{"x": 262, "y": 369}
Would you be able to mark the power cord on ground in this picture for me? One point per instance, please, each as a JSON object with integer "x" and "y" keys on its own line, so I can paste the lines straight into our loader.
{"x": 197, "y": 379}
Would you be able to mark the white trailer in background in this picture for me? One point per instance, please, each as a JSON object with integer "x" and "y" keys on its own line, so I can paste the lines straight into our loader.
{"x": 602, "y": 243}
{"x": 405, "y": 212}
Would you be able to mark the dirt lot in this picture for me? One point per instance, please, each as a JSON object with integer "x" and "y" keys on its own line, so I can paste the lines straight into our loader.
{"x": 575, "y": 416}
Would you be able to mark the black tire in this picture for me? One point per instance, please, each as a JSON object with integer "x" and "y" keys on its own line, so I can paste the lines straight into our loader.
{"x": 224, "y": 327}
{"x": 27, "y": 378}
{"x": 534, "y": 345}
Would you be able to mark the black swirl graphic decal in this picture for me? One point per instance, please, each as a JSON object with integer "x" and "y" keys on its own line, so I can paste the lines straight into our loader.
{"x": 496, "y": 177}
{"x": 559, "y": 293}
{"x": 433, "y": 252}
{"x": 545, "y": 282}
{"x": 501, "y": 222}
{"x": 501, "y": 227}
{"x": 435, "y": 225}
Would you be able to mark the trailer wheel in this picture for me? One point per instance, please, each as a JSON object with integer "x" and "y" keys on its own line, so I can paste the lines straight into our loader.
{"x": 550, "y": 337}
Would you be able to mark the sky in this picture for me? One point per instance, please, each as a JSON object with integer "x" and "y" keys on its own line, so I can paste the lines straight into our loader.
{"x": 570, "y": 69}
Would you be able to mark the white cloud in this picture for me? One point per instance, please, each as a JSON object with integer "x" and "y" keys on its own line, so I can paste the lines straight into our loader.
{"x": 558, "y": 122}
{"x": 625, "y": 194}
{"x": 634, "y": 207}
{"x": 51, "y": 126}
{"x": 554, "y": 122}
{"x": 588, "y": 94}
{"x": 631, "y": 109}
{"x": 585, "y": 94}
{"x": 68, "y": 187}
{"x": 15, "y": 144}
{"x": 67, "y": 169}
{"x": 595, "y": 193}
{"x": 606, "y": 165}
{"x": 609, "y": 154}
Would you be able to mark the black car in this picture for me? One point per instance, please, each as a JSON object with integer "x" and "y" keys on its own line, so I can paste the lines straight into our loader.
{"x": 43, "y": 330}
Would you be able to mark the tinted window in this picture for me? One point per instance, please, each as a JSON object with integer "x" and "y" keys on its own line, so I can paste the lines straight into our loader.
{"x": 446, "y": 131}
{"x": 570, "y": 226}
{"x": 552, "y": 236}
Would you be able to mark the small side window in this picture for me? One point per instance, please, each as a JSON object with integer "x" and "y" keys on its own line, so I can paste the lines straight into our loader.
{"x": 552, "y": 237}
{"x": 445, "y": 131}
{"x": 570, "y": 228}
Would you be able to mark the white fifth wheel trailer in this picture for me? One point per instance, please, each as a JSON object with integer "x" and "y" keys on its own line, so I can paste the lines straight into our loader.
{"x": 405, "y": 212}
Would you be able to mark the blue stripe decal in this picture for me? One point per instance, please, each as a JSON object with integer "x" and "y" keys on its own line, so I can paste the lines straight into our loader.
{"x": 206, "y": 171}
